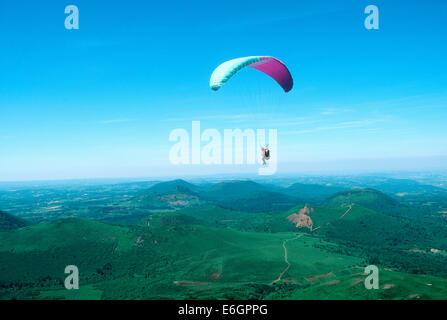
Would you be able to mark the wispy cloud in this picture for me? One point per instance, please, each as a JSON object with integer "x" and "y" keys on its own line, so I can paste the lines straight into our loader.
{"x": 110, "y": 121}
{"x": 284, "y": 121}
{"x": 334, "y": 111}
{"x": 88, "y": 44}
{"x": 223, "y": 117}
{"x": 291, "y": 122}
{"x": 412, "y": 102}
{"x": 338, "y": 126}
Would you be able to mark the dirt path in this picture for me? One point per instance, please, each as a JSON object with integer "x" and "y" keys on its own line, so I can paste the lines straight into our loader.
{"x": 286, "y": 258}
{"x": 341, "y": 217}
{"x": 299, "y": 236}
{"x": 347, "y": 211}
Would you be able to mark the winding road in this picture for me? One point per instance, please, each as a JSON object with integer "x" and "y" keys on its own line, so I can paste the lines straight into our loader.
{"x": 285, "y": 258}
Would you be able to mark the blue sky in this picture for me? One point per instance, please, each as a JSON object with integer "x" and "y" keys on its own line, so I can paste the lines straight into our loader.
{"x": 101, "y": 101}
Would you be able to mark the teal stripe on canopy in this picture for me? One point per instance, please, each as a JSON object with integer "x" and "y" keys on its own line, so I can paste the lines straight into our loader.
{"x": 227, "y": 69}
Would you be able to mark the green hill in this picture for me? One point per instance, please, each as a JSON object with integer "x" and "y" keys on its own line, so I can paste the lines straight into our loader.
{"x": 10, "y": 222}
{"x": 168, "y": 196}
{"x": 34, "y": 258}
{"x": 377, "y": 201}
{"x": 236, "y": 195}
{"x": 248, "y": 196}
{"x": 232, "y": 189}
{"x": 216, "y": 216}
{"x": 369, "y": 218}
{"x": 260, "y": 201}
{"x": 386, "y": 239}
{"x": 62, "y": 233}
{"x": 174, "y": 186}
{"x": 368, "y": 198}
{"x": 312, "y": 192}
{"x": 167, "y": 201}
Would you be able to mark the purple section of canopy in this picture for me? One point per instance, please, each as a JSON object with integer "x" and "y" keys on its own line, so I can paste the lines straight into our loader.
{"x": 275, "y": 69}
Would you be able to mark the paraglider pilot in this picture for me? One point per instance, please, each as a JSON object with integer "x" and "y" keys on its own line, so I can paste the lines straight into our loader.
{"x": 265, "y": 154}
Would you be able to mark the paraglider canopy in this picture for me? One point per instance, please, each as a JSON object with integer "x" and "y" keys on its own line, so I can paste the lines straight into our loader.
{"x": 268, "y": 65}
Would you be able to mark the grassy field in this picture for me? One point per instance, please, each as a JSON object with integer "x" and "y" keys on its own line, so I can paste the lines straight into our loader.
{"x": 179, "y": 261}
{"x": 201, "y": 250}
